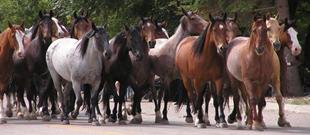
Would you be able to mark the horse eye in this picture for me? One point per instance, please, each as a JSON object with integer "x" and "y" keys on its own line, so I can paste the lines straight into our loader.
{"x": 268, "y": 29}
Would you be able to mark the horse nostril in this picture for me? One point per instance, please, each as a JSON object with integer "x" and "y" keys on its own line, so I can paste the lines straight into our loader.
{"x": 107, "y": 55}
{"x": 296, "y": 49}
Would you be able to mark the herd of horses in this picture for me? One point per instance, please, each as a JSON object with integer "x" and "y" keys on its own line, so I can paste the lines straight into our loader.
{"x": 83, "y": 66}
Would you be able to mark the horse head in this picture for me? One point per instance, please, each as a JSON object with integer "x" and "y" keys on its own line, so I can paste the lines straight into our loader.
{"x": 232, "y": 27}
{"x": 15, "y": 38}
{"x": 80, "y": 25}
{"x": 192, "y": 23}
{"x": 148, "y": 30}
{"x": 259, "y": 38}
{"x": 218, "y": 31}
{"x": 273, "y": 31}
{"x": 135, "y": 42}
{"x": 61, "y": 29}
{"x": 46, "y": 28}
{"x": 289, "y": 38}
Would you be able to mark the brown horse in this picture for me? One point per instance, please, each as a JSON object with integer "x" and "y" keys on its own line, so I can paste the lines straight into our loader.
{"x": 199, "y": 60}
{"x": 10, "y": 44}
{"x": 232, "y": 27}
{"x": 252, "y": 64}
{"x": 80, "y": 25}
{"x": 163, "y": 57}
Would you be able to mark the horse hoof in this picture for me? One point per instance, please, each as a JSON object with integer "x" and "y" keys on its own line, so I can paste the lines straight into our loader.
{"x": 201, "y": 125}
{"x": 239, "y": 125}
{"x": 164, "y": 121}
{"x": 20, "y": 115}
{"x": 223, "y": 125}
{"x": 231, "y": 120}
{"x": 136, "y": 121}
{"x": 3, "y": 121}
{"x": 122, "y": 122}
{"x": 111, "y": 120}
{"x": 258, "y": 126}
{"x": 95, "y": 123}
{"x": 208, "y": 123}
{"x": 74, "y": 115}
{"x": 65, "y": 122}
{"x": 284, "y": 123}
{"x": 189, "y": 119}
{"x": 9, "y": 113}
{"x": 249, "y": 126}
{"x": 54, "y": 116}
{"x": 46, "y": 118}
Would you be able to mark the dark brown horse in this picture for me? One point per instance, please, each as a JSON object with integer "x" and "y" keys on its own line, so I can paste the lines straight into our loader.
{"x": 32, "y": 70}
{"x": 163, "y": 56}
{"x": 232, "y": 27}
{"x": 10, "y": 44}
{"x": 199, "y": 60}
{"x": 252, "y": 64}
{"x": 80, "y": 25}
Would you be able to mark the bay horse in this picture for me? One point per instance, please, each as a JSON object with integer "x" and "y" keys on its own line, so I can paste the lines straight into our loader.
{"x": 246, "y": 72}
{"x": 32, "y": 68}
{"x": 84, "y": 66}
{"x": 11, "y": 45}
{"x": 163, "y": 57}
{"x": 80, "y": 25}
{"x": 199, "y": 60}
{"x": 232, "y": 27}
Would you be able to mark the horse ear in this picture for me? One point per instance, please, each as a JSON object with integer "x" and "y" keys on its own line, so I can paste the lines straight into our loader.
{"x": 40, "y": 14}
{"x": 268, "y": 16}
{"x": 86, "y": 14}
{"x": 142, "y": 19}
{"x": 211, "y": 18}
{"x": 185, "y": 12}
{"x": 224, "y": 16}
{"x": 235, "y": 17}
{"x": 10, "y": 25}
{"x": 51, "y": 13}
{"x": 22, "y": 25}
{"x": 163, "y": 24}
{"x": 126, "y": 28}
{"x": 93, "y": 26}
{"x": 264, "y": 18}
{"x": 75, "y": 15}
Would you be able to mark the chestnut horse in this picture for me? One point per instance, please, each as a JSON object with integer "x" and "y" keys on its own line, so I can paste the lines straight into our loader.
{"x": 163, "y": 56}
{"x": 11, "y": 44}
{"x": 199, "y": 60}
{"x": 252, "y": 64}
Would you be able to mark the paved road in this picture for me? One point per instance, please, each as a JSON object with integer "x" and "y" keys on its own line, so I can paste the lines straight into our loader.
{"x": 299, "y": 120}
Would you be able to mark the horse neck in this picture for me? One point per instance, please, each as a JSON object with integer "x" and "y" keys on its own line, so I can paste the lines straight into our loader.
{"x": 209, "y": 51}
{"x": 5, "y": 50}
{"x": 179, "y": 34}
{"x": 92, "y": 55}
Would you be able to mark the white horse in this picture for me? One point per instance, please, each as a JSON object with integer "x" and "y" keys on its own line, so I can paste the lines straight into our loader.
{"x": 79, "y": 62}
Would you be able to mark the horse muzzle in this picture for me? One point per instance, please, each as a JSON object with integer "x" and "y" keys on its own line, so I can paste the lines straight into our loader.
{"x": 151, "y": 44}
{"x": 276, "y": 46}
{"x": 222, "y": 48}
{"x": 107, "y": 54}
{"x": 260, "y": 50}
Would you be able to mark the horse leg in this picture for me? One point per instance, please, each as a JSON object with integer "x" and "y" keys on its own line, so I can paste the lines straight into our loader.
{"x": 158, "y": 116}
{"x": 282, "y": 122}
{"x": 207, "y": 100}
{"x": 122, "y": 93}
{"x": 23, "y": 113}
{"x": 53, "y": 100}
{"x": 236, "y": 99}
{"x": 94, "y": 102}
{"x": 9, "y": 106}
{"x": 215, "y": 104}
{"x": 136, "y": 107}
{"x": 78, "y": 100}
{"x": 65, "y": 105}
{"x": 199, "y": 121}
{"x": 219, "y": 93}
{"x": 252, "y": 115}
{"x": 165, "y": 110}
{"x": 30, "y": 99}
{"x": 261, "y": 105}
{"x": 2, "y": 115}
{"x": 157, "y": 109}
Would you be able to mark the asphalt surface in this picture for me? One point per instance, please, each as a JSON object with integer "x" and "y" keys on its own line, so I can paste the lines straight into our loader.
{"x": 300, "y": 121}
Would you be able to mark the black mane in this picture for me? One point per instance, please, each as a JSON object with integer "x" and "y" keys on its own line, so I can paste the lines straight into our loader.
{"x": 84, "y": 42}
{"x": 199, "y": 43}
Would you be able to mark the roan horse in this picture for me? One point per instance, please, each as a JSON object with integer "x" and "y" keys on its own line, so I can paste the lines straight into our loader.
{"x": 251, "y": 65}
{"x": 199, "y": 59}
{"x": 10, "y": 44}
{"x": 79, "y": 62}
{"x": 32, "y": 68}
{"x": 163, "y": 56}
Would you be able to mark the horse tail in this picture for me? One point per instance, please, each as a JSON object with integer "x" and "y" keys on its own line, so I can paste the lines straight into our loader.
{"x": 182, "y": 97}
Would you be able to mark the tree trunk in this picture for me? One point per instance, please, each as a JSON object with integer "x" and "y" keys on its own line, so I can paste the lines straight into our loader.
{"x": 290, "y": 83}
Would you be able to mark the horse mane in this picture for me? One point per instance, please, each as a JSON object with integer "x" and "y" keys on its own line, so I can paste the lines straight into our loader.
{"x": 199, "y": 43}
{"x": 35, "y": 28}
{"x": 84, "y": 42}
